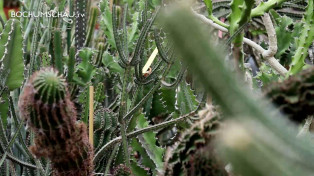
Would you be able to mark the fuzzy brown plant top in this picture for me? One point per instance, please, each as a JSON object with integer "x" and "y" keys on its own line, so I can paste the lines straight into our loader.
{"x": 46, "y": 107}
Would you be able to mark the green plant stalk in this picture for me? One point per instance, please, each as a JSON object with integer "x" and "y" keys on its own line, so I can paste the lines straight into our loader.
{"x": 122, "y": 112}
{"x": 10, "y": 144}
{"x": 57, "y": 50}
{"x": 237, "y": 18}
{"x": 133, "y": 134}
{"x": 71, "y": 64}
{"x": 264, "y": 7}
{"x": 304, "y": 41}
{"x": 91, "y": 25}
{"x": 206, "y": 62}
{"x": 9, "y": 155}
{"x": 125, "y": 31}
{"x": 117, "y": 37}
{"x": 4, "y": 142}
{"x": 114, "y": 151}
{"x": 101, "y": 49}
{"x": 142, "y": 38}
{"x": 80, "y": 24}
{"x": 23, "y": 145}
{"x": 34, "y": 44}
{"x": 69, "y": 26}
{"x": 2, "y": 15}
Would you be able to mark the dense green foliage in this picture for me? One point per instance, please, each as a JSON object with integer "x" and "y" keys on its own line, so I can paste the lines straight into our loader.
{"x": 193, "y": 109}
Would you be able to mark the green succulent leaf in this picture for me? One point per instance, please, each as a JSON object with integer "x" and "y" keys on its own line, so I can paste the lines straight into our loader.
{"x": 185, "y": 99}
{"x": 287, "y": 31}
{"x": 304, "y": 40}
{"x": 163, "y": 102}
{"x": 85, "y": 70}
{"x": 11, "y": 54}
{"x": 149, "y": 143}
{"x": 137, "y": 170}
{"x": 4, "y": 107}
{"x": 111, "y": 63}
{"x": 106, "y": 22}
{"x": 266, "y": 75}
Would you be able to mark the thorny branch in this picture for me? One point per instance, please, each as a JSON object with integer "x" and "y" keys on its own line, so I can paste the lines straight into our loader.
{"x": 140, "y": 131}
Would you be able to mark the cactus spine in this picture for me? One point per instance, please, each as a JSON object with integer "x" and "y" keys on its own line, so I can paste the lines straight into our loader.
{"x": 46, "y": 107}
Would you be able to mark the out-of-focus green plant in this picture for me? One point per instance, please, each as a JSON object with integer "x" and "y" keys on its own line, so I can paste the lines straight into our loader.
{"x": 257, "y": 140}
{"x": 2, "y": 15}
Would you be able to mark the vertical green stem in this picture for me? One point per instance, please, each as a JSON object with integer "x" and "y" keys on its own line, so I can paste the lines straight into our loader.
{"x": 69, "y": 26}
{"x": 122, "y": 112}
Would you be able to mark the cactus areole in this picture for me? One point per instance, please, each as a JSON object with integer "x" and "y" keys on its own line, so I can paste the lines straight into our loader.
{"x": 46, "y": 107}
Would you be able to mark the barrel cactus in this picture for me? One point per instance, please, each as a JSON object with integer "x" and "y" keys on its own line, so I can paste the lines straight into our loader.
{"x": 294, "y": 96}
{"x": 46, "y": 107}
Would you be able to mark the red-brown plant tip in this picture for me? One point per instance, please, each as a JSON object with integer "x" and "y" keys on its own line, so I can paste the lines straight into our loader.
{"x": 122, "y": 170}
{"x": 46, "y": 107}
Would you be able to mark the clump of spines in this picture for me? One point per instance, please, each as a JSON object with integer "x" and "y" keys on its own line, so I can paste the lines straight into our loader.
{"x": 194, "y": 154}
{"x": 294, "y": 96}
{"x": 46, "y": 107}
{"x": 122, "y": 170}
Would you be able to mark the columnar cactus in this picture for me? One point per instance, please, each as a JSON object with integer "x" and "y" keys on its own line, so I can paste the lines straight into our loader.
{"x": 46, "y": 107}
{"x": 80, "y": 24}
{"x": 11, "y": 54}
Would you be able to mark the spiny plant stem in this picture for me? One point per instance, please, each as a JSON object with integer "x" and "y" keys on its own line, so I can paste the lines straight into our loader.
{"x": 111, "y": 143}
{"x": 23, "y": 145}
{"x": 265, "y": 7}
{"x": 114, "y": 151}
{"x": 80, "y": 24}
{"x": 122, "y": 111}
{"x": 10, "y": 144}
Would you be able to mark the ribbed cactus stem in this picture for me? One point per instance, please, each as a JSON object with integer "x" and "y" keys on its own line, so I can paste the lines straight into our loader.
{"x": 80, "y": 24}
{"x": 46, "y": 106}
{"x": 51, "y": 87}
